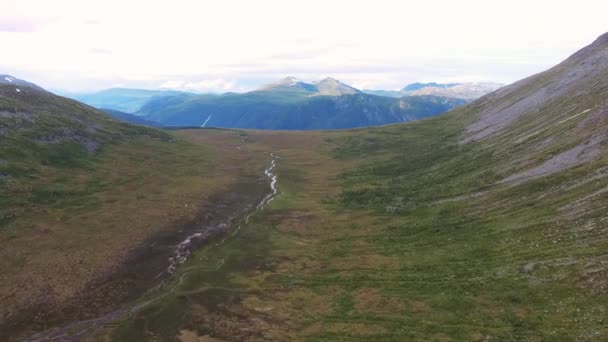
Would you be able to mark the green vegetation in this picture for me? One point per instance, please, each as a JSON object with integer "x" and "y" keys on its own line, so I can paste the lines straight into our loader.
{"x": 80, "y": 194}
{"x": 488, "y": 223}
{"x": 399, "y": 233}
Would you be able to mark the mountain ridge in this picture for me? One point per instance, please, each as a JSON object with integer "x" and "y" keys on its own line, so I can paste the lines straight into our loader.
{"x": 127, "y": 100}
{"x": 328, "y": 86}
{"x": 468, "y": 91}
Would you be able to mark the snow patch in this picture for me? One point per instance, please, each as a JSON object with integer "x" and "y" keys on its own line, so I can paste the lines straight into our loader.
{"x": 573, "y": 116}
{"x": 292, "y": 81}
{"x": 8, "y": 79}
{"x": 18, "y": 90}
{"x": 208, "y": 118}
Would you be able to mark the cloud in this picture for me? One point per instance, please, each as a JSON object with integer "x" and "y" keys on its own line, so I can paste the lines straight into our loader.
{"x": 8, "y": 24}
{"x": 213, "y": 85}
{"x": 239, "y": 44}
{"x": 100, "y": 51}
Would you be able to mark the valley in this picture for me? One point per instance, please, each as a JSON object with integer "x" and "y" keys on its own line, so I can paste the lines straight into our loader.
{"x": 388, "y": 233}
{"x": 303, "y": 210}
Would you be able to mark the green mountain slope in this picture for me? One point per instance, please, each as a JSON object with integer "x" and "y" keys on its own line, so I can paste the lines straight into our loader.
{"x": 35, "y": 122}
{"x": 130, "y": 118}
{"x": 90, "y": 207}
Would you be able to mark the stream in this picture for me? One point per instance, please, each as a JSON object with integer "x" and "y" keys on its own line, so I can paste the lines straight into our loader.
{"x": 74, "y": 331}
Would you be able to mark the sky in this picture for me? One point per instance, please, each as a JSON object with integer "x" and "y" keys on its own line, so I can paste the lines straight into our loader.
{"x": 238, "y": 45}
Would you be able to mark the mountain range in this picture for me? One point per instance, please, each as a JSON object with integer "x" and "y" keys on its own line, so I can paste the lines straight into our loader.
{"x": 287, "y": 104}
{"x": 466, "y": 91}
{"x": 121, "y": 99}
{"x": 294, "y": 105}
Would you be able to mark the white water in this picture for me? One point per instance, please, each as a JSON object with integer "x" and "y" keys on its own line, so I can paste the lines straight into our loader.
{"x": 208, "y": 118}
{"x": 273, "y": 184}
{"x": 184, "y": 249}
{"x": 74, "y": 330}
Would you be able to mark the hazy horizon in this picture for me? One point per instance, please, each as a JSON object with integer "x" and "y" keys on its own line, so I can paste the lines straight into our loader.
{"x": 238, "y": 45}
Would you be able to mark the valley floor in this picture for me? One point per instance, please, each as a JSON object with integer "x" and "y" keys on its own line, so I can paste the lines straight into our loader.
{"x": 84, "y": 239}
{"x": 385, "y": 233}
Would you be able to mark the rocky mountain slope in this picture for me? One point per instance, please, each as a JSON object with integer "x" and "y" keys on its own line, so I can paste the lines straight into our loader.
{"x": 554, "y": 120}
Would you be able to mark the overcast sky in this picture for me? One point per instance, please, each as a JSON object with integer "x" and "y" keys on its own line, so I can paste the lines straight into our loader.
{"x": 232, "y": 45}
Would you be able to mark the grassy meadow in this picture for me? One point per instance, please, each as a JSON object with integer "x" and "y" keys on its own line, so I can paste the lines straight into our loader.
{"x": 390, "y": 233}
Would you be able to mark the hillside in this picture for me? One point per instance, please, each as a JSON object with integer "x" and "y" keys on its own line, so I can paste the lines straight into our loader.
{"x": 294, "y": 105}
{"x": 129, "y": 118}
{"x": 440, "y": 229}
{"x": 33, "y": 119}
{"x": 91, "y": 208}
{"x": 122, "y": 99}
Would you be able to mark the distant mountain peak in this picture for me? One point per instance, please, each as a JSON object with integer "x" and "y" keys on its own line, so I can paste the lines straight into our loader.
{"x": 332, "y": 87}
{"x": 287, "y": 83}
{"x": 467, "y": 91}
{"x": 289, "y": 80}
{"x": 328, "y": 86}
